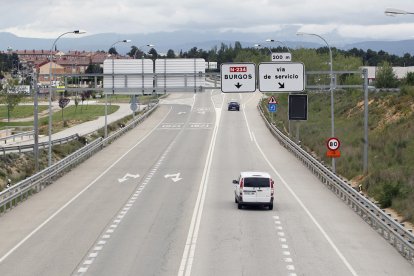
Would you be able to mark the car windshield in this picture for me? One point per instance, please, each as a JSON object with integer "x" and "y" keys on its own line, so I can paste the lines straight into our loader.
{"x": 256, "y": 182}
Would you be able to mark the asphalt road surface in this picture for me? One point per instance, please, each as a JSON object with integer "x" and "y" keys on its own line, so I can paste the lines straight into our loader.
{"x": 160, "y": 201}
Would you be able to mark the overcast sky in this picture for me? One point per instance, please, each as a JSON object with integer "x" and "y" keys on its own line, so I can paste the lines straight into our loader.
{"x": 359, "y": 19}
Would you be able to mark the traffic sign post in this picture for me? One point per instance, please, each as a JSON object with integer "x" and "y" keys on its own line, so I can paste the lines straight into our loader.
{"x": 272, "y": 107}
{"x": 272, "y": 104}
{"x": 333, "y": 145}
{"x": 281, "y": 77}
{"x": 287, "y": 57}
{"x": 238, "y": 77}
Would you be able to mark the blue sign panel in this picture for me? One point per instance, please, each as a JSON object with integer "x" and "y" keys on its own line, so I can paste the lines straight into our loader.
{"x": 272, "y": 107}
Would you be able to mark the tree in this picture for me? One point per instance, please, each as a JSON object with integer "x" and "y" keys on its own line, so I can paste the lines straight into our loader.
{"x": 170, "y": 53}
{"x": 112, "y": 51}
{"x": 63, "y": 102}
{"x": 385, "y": 77}
{"x": 153, "y": 53}
{"x": 9, "y": 97}
{"x": 409, "y": 79}
{"x": 94, "y": 69}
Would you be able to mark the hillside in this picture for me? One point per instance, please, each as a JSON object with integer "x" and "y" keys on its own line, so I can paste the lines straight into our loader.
{"x": 390, "y": 178}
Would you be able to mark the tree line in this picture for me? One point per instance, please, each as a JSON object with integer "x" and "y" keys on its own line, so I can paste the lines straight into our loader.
{"x": 230, "y": 53}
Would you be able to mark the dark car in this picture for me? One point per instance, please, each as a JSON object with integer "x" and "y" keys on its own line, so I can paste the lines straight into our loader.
{"x": 233, "y": 106}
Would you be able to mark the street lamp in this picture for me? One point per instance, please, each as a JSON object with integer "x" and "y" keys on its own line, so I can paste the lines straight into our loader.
{"x": 140, "y": 47}
{"x": 394, "y": 12}
{"x": 330, "y": 88}
{"x": 50, "y": 92}
{"x": 283, "y": 44}
{"x": 113, "y": 85}
{"x": 142, "y": 70}
{"x": 260, "y": 46}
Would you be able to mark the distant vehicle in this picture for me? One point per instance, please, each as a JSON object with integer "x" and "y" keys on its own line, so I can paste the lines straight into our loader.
{"x": 254, "y": 188}
{"x": 233, "y": 105}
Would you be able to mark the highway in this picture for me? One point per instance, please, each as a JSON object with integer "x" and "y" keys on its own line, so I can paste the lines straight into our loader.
{"x": 160, "y": 201}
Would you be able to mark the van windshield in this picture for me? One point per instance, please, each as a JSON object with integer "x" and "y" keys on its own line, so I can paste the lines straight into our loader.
{"x": 257, "y": 182}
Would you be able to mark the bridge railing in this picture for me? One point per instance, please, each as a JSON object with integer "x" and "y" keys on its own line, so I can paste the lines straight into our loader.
{"x": 43, "y": 145}
{"x": 392, "y": 230}
{"x": 20, "y": 135}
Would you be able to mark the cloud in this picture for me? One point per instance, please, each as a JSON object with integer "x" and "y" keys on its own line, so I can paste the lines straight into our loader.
{"x": 351, "y": 18}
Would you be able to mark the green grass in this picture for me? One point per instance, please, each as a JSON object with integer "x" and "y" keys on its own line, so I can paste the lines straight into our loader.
{"x": 22, "y": 111}
{"x": 71, "y": 116}
{"x": 390, "y": 178}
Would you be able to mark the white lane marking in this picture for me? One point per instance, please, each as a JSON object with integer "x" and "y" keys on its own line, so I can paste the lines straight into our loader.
{"x": 112, "y": 228}
{"x": 80, "y": 193}
{"x": 325, "y": 235}
{"x": 174, "y": 177}
{"x": 284, "y": 245}
{"x": 126, "y": 176}
{"x": 83, "y": 269}
{"x": 290, "y": 267}
{"x": 247, "y": 124}
{"x": 88, "y": 262}
{"x": 190, "y": 245}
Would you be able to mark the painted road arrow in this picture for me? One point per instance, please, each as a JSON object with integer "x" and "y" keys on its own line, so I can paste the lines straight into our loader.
{"x": 126, "y": 176}
{"x": 281, "y": 85}
{"x": 238, "y": 85}
{"x": 174, "y": 177}
{"x": 181, "y": 112}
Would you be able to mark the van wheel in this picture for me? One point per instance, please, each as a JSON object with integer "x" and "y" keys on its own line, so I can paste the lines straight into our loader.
{"x": 271, "y": 206}
{"x": 239, "y": 206}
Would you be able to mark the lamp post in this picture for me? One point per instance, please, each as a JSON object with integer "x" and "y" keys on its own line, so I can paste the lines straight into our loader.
{"x": 140, "y": 47}
{"x": 142, "y": 72}
{"x": 283, "y": 44}
{"x": 50, "y": 92}
{"x": 113, "y": 85}
{"x": 330, "y": 88}
{"x": 394, "y": 12}
{"x": 259, "y": 45}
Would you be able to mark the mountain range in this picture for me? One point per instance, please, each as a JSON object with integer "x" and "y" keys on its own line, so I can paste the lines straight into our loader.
{"x": 185, "y": 40}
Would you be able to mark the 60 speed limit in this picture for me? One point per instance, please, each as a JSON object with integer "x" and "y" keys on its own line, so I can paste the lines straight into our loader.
{"x": 333, "y": 143}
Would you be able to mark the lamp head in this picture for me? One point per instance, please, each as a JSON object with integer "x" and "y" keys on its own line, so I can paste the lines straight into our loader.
{"x": 394, "y": 12}
{"x": 270, "y": 40}
{"x": 257, "y": 45}
{"x": 79, "y": 32}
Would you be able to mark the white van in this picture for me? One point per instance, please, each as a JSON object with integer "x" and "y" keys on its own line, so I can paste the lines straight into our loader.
{"x": 254, "y": 188}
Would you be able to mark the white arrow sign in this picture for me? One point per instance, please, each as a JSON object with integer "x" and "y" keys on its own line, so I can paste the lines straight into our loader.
{"x": 181, "y": 112}
{"x": 126, "y": 176}
{"x": 174, "y": 177}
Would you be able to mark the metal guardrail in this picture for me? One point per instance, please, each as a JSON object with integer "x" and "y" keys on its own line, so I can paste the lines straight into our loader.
{"x": 14, "y": 136}
{"x": 42, "y": 145}
{"x": 17, "y": 193}
{"x": 389, "y": 228}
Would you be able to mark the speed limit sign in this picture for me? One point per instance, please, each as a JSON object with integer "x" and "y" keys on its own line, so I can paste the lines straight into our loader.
{"x": 333, "y": 143}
